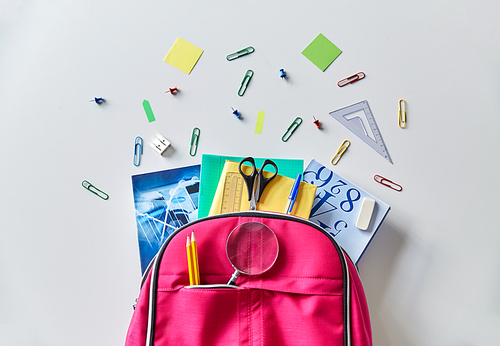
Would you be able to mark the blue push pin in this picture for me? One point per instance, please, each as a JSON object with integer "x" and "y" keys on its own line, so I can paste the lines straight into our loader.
{"x": 235, "y": 112}
{"x": 283, "y": 74}
{"x": 97, "y": 100}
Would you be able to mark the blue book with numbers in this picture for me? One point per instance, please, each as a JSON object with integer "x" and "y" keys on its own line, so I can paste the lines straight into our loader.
{"x": 336, "y": 208}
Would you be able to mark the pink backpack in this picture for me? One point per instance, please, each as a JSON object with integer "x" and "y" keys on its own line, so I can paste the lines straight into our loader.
{"x": 311, "y": 295}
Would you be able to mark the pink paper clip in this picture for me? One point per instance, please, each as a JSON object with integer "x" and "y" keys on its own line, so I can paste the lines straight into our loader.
{"x": 351, "y": 79}
{"x": 387, "y": 182}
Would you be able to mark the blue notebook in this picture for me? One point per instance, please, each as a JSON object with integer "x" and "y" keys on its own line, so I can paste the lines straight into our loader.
{"x": 336, "y": 208}
{"x": 164, "y": 201}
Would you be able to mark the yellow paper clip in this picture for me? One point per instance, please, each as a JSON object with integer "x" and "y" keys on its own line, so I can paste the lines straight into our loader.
{"x": 340, "y": 152}
{"x": 194, "y": 141}
{"x": 402, "y": 113}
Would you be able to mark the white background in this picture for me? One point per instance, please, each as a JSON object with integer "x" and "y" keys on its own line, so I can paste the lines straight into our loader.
{"x": 69, "y": 264}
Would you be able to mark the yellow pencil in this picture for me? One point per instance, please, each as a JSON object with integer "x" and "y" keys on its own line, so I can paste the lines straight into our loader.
{"x": 190, "y": 261}
{"x": 195, "y": 259}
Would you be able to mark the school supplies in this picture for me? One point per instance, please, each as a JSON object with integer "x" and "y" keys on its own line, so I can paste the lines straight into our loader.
{"x": 137, "y": 151}
{"x": 293, "y": 195}
{"x": 311, "y": 295}
{"x": 163, "y": 201}
{"x": 87, "y": 185}
{"x": 291, "y": 129}
{"x": 160, "y": 144}
{"x": 244, "y": 83}
{"x": 235, "y": 112}
{"x": 148, "y": 110}
{"x": 273, "y": 198}
{"x": 358, "y": 118}
{"x": 402, "y": 113}
{"x": 316, "y": 122}
{"x": 233, "y": 192}
{"x": 98, "y": 100}
{"x": 321, "y": 52}
{"x": 351, "y": 79}
{"x": 336, "y": 207}
{"x": 195, "y": 137}
{"x": 282, "y": 74}
{"x": 338, "y": 155}
{"x": 213, "y": 165}
{"x": 172, "y": 91}
{"x": 260, "y": 122}
{"x": 252, "y": 249}
{"x": 183, "y": 55}
{"x": 240, "y": 53}
{"x": 387, "y": 182}
{"x": 194, "y": 255}
{"x": 256, "y": 182}
{"x": 189, "y": 253}
{"x": 365, "y": 213}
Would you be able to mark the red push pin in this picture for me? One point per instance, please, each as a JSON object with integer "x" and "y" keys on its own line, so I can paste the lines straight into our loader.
{"x": 316, "y": 122}
{"x": 173, "y": 91}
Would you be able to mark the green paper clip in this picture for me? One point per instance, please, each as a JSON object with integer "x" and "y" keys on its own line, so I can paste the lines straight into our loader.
{"x": 94, "y": 190}
{"x": 194, "y": 141}
{"x": 244, "y": 82}
{"x": 291, "y": 129}
{"x": 240, "y": 53}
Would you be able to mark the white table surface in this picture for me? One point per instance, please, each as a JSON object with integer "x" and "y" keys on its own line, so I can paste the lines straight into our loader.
{"x": 69, "y": 264}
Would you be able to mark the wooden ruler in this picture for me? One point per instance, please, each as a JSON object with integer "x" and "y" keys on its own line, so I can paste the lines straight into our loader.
{"x": 233, "y": 191}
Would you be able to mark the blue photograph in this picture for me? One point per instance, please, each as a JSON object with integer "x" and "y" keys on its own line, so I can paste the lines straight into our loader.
{"x": 164, "y": 201}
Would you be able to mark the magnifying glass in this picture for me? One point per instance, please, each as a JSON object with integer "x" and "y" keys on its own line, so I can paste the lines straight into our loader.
{"x": 252, "y": 248}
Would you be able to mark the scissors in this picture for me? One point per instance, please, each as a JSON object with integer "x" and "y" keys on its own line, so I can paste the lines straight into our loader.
{"x": 256, "y": 179}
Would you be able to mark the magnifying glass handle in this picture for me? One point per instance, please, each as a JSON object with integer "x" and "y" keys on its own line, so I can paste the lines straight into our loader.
{"x": 232, "y": 281}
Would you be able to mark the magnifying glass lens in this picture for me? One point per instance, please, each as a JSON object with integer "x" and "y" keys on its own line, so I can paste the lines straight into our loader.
{"x": 252, "y": 248}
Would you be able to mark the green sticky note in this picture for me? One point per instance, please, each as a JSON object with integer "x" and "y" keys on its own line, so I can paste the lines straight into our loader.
{"x": 321, "y": 52}
{"x": 260, "y": 122}
{"x": 183, "y": 55}
{"x": 148, "y": 110}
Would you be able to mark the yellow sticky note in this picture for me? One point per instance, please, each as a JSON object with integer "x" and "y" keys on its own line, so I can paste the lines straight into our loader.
{"x": 183, "y": 55}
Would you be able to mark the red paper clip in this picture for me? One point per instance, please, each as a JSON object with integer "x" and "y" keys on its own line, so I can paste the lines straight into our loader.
{"x": 351, "y": 79}
{"x": 387, "y": 182}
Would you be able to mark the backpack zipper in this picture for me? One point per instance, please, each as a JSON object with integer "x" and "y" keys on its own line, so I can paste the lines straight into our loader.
{"x": 154, "y": 266}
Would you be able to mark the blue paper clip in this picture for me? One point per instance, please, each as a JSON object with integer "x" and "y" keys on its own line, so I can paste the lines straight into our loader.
{"x": 240, "y": 53}
{"x": 244, "y": 82}
{"x": 94, "y": 190}
{"x": 291, "y": 129}
{"x": 194, "y": 141}
{"x": 137, "y": 151}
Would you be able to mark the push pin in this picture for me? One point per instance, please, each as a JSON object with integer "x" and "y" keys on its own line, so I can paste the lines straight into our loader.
{"x": 97, "y": 100}
{"x": 235, "y": 112}
{"x": 316, "y": 122}
{"x": 283, "y": 74}
{"x": 173, "y": 91}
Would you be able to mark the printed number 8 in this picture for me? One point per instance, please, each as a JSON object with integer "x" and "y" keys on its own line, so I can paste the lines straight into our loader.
{"x": 350, "y": 200}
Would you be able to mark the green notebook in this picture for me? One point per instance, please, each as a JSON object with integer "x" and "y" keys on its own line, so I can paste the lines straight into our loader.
{"x": 211, "y": 169}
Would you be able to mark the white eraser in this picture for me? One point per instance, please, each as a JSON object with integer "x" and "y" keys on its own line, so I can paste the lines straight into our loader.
{"x": 365, "y": 214}
{"x": 160, "y": 144}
